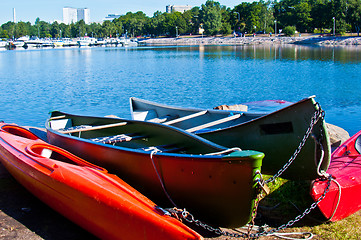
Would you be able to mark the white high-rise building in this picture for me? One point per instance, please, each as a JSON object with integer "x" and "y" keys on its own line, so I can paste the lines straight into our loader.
{"x": 177, "y": 8}
{"x": 84, "y": 14}
{"x": 72, "y": 15}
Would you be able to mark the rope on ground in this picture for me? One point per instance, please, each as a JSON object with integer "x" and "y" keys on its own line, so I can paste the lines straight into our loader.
{"x": 285, "y": 235}
{"x": 303, "y": 235}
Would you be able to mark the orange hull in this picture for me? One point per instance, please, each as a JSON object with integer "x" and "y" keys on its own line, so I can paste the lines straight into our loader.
{"x": 86, "y": 194}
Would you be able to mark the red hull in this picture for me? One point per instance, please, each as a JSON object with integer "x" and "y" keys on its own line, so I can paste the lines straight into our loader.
{"x": 84, "y": 193}
{"x": 344, "y": 199}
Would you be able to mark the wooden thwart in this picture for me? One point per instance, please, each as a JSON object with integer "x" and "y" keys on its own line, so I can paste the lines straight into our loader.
{"x": 214, "y": 123}
{"x": 57, "y": 117}
{"x": 94, "y": 128}
{"x": 185, "y": 117}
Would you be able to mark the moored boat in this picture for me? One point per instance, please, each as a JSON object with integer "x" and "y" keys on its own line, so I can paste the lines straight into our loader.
{"x": 2, "y": 44}
{"x": 342, "y": 198}
{"x": 216, "y": 184}
{"x": 282, "y": 134}
{"x": 85, "y": 193}
{"x": 86, "y": 41}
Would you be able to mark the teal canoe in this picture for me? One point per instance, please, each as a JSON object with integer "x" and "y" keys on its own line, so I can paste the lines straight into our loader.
{"x": 216, "y": 184}
{"x": 278, "y": 134}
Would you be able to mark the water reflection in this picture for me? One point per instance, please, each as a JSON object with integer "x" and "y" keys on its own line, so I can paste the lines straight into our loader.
{"x": 99, "y": 81}
{"x": 341, "y": 54}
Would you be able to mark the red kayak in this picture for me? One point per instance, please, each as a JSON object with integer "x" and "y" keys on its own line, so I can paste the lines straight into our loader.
{"x": 86, "y": 194}
{"x": 344, "y": 195}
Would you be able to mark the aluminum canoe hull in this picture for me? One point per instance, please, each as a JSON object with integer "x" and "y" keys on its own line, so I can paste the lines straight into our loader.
{"x": 277, "y": 134}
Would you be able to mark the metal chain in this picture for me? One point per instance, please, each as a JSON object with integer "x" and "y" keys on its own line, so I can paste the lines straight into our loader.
{"x": 184, "y": 214}
{"x": 319, "y": 113}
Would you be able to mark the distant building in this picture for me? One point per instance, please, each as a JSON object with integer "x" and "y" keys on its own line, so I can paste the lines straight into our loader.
{"x": 14, "y": 15}
{"x": 84, "y": 14}
{"x": 111, "y": 17}
{"x": 73, "y": 15}
{"x": 70, "y": 15}
{"x": 177, "y": 8}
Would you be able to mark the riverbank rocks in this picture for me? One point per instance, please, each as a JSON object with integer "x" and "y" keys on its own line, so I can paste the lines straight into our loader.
{"x": 315, "y": 39}
{"x": 237, "y": 107}
{"x": 337, "y": 135}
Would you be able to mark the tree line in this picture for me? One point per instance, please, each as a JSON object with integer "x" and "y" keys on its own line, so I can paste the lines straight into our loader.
{"x": 312, "y": 16}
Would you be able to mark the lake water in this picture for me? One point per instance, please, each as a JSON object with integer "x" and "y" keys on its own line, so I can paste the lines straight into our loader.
{"x": 99, "y": 81}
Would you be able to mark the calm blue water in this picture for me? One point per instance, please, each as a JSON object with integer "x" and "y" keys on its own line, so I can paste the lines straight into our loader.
{"x": 99, "y": 81}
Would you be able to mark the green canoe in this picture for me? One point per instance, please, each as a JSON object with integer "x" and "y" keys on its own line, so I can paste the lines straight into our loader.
{"x": 217, "y": 185}
{"x": 277, "y": 134}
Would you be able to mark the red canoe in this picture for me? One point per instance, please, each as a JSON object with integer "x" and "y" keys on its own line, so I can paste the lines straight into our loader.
{"x": 86, "y": 194}
{"x": 344, "y": 196}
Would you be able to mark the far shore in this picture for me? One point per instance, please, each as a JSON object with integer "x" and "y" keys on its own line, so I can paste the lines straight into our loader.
{"x": 314, "y": 39}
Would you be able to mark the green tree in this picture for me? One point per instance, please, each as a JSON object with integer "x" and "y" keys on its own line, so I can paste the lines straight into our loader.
{"x": 174, "y": 24}
{"x": 108, "y": 29}
{"x": 81, "y": 27}
{"x": 155, "y": 26}
{"x": 3, "y": 34}
{"x": 211, "y": 15}
{"x": 65, "y": 30}
{"x": 55, "y": 30}
{"x": 226, "y": 18}
{"x": 320, "y": 14}
{"x": 134, "y": 23}
{"x": 354, "y": 14}
{"x": 95, "y": 29}
{"x": 256, "y": 16}
{"x": 339, "y": 12}
{"x": 191, "y": 21}
{"x": 9, "y": 27}
{"x": 195, "y": 20}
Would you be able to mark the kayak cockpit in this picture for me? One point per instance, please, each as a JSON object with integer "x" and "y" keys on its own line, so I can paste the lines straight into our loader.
{"x": 54, "y": 153}
{"x": 358, "y": 144}
{"x": 19, "y": 131}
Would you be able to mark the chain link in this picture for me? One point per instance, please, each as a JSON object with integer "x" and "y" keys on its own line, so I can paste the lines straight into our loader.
{"x": 319, "y": 113}
{"x": 185, "y": 215}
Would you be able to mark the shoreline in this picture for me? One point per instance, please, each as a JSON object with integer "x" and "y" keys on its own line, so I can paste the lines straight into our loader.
{"x": 258, "y": 40}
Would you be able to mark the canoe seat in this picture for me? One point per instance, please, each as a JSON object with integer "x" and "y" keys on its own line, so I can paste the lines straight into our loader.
{"x": 80, "y": 127}
{"x": 162, "y": 119}
{"x": 58, "y": 124}
{"x": 168, "y": 148}
{"x": 358, "y": 144}
{"x": 116, "y": 138}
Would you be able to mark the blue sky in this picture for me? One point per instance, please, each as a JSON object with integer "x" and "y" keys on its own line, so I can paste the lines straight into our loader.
{"x": 50, "y": 10}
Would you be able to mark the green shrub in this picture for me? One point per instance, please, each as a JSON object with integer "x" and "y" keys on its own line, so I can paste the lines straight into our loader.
{"x": 289, "y": 30}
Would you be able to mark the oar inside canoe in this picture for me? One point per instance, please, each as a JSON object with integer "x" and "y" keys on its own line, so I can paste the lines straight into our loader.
{"x": 214, "y": 123}
{"x": 132, "y": 134}
{"x": 91, "y": 128}
{"x": 186, "y": 117}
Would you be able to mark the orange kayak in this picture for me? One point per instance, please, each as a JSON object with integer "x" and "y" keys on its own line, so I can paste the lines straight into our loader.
{"x": 86, "y": 194}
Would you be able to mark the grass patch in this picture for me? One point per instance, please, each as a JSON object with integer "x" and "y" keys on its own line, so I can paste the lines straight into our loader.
{"x": 289, "y": 199}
